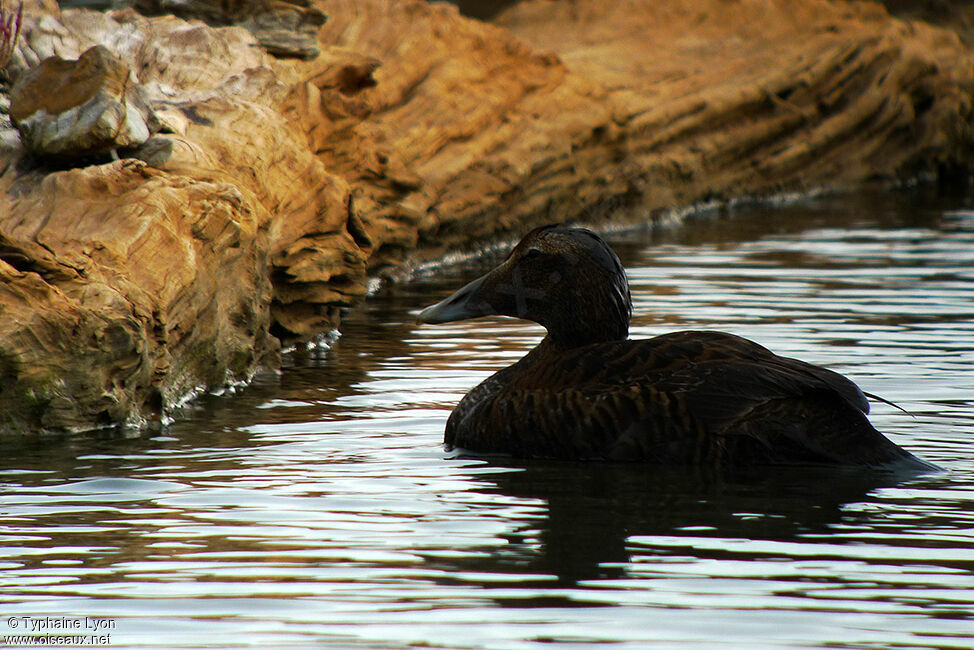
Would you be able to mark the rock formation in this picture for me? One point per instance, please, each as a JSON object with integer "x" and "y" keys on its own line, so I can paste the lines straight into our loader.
{"x": 281, "y": 27}
{"x": 278, "y": 183}
{"x": 72, "y": 109}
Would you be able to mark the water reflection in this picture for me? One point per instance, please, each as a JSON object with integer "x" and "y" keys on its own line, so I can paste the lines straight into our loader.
{"x": 594, "y": 512}
{"x": 318, "y": 507}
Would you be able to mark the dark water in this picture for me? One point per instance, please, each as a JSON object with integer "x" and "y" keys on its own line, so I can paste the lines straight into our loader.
{"x": 317, "y": 507}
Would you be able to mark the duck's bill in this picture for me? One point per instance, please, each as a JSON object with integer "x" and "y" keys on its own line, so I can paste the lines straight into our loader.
{"x": 466, "y": 303}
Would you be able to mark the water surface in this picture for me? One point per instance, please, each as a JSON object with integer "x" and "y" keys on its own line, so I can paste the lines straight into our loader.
{"x": 317, "y": 507}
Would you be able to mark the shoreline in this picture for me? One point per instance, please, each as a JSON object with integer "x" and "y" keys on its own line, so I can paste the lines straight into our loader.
{"x": 415, "y": 134}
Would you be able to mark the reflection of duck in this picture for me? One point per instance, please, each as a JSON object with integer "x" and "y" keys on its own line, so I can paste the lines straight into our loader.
{"x": 601, "y": 515}
{"x": 688, "y": 397}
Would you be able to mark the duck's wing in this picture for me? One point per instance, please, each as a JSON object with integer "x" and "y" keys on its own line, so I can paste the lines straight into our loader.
{"x": 720, "y": 373}
{"x": 708, "y": 365}
{"x": 689, "y": 397}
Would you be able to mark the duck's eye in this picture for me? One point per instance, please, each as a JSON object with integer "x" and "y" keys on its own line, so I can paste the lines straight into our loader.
{"x": 533, "y": 253}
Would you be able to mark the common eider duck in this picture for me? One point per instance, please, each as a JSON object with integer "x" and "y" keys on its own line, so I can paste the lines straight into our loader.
{"x": 693, "y": 397}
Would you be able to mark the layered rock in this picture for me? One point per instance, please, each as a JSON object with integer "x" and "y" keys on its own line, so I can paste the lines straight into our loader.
{"x": 118, "y": 305}
{"x": 288, "y": 29}
{"x": 284, "y": 183}
{"x": 631, "y": 108}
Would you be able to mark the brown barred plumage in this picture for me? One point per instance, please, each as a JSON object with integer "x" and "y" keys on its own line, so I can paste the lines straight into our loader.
{"x": 586, "y": 393}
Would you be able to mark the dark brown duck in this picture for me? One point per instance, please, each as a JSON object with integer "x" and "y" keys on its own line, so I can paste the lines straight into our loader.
{"x": 587, "y": 393}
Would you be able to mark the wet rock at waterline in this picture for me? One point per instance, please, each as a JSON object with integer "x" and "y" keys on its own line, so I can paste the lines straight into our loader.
{"x": 68, "y": 109}
{"x": 286, "y": 182}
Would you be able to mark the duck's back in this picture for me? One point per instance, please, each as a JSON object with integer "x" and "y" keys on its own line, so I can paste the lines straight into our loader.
{"x": 687, "y": 398}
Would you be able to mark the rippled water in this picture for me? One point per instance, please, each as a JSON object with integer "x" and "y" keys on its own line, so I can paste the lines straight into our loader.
{"x": 317, "y": 507}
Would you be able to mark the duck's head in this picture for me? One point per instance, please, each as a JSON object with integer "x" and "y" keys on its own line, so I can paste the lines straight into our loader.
{"x": 565, "y": 279}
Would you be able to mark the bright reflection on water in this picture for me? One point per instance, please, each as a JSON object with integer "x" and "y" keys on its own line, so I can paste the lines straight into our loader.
{"x": 318, "y": 507}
